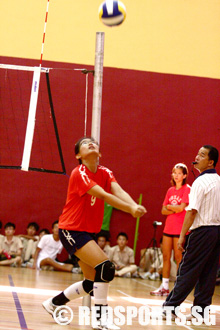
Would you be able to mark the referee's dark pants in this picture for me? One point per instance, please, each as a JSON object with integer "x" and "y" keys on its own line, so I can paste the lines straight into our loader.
{"x": 198, "y": 268}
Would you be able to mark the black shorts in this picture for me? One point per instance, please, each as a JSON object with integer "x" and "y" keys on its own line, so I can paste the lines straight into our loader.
{"x": 171, "y": 235}
{"x": 73, "y": 240}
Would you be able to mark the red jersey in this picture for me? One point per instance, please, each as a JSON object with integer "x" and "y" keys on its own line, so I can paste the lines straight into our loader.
{"x": 83, "y": 212}
{"x": 174, "y": 222}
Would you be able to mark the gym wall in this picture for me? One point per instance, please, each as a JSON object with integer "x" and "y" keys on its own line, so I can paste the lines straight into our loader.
{"x": 160, "y": 98}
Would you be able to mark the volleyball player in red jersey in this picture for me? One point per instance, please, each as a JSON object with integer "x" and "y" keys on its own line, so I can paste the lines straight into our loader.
{"x": 90, "y": 185}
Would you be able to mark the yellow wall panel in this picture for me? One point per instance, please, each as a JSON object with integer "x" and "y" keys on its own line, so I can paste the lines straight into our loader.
{"x": 168, "y": 36}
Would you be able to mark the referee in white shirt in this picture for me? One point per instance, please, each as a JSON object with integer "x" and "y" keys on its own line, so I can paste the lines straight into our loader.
{"x": 199, "y": 264}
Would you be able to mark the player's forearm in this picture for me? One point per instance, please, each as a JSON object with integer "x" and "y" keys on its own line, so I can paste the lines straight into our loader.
{"x": 134, "y": 209}
{"x": 118, "y": 203}
{"x": 124, "y": 196}
{"x": 117, "y": 191}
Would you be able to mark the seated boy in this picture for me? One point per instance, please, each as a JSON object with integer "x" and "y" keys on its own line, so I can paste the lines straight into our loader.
{"x": 48, "y": 248}
{"x": 102, "y": 242}
{"x": 29, "y": 241}
{"x": 151, "y": 262}
{"x": 10, "y": 247}
{"x": 123, "y": 257}
{"x": 154, "y": 258}
{"x": 30, "y": 263}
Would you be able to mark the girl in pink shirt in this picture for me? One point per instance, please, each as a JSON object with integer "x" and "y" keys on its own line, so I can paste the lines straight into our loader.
{"x": 176, "y": 199}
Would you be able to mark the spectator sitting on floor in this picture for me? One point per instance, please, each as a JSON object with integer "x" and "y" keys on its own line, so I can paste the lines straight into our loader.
{"x": 42, "y": 232}
{"x": 151, "y": 262}
{"x": 123, "y": 257}
{"x": 47, "y": 250}
{"x": 29, "y": 241}
{"x": 73, "y": 260}
{"x": 102, "y": 242}
{"x": 154, "y": 260}
{"x": 148, "y": 256}
{"x": 30, "y": 263}
{"x": 10, "y": 247}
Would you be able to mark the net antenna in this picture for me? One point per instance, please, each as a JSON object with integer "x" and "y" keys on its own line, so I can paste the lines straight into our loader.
{"x": 33, "y": 105}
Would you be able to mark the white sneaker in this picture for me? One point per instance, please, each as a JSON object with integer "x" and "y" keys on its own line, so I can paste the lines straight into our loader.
{"x": 160, "y": 292}
{"x": 190, "y": 317}
{"x": 76, "y": 270}
{"x": 164, "y": 316}
{"x": 162, "y": 313}
{"x": 49, "y": 306}
{"x": 154, "y": 277}
{"x": 144, "y": 276}
{"x": 127, "y": 275}
{"x": 135, "y": 275}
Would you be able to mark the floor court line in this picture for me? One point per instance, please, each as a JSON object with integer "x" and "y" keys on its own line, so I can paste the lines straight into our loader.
{"x": 131, "y": 297}
{"x": 148, "y": 285}
{"x": 127, "y": 295}
{"x": 20, "y": 313}
{"x": 34, "y": 293}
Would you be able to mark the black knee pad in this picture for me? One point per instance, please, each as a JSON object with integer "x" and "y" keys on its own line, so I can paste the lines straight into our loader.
{"x": 88, "y": 286}
{"x": 105, "y": 272}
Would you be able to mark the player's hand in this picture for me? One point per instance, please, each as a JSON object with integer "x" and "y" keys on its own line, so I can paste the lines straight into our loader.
{"x": 180, "y": 243}
{"x": 138, "y": 211}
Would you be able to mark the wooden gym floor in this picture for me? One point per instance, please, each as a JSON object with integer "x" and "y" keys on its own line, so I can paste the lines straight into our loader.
{"x": 23, "y": 290}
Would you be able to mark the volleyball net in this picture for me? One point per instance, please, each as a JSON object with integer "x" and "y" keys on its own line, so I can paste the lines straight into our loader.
{"x": 29, "y": 136}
